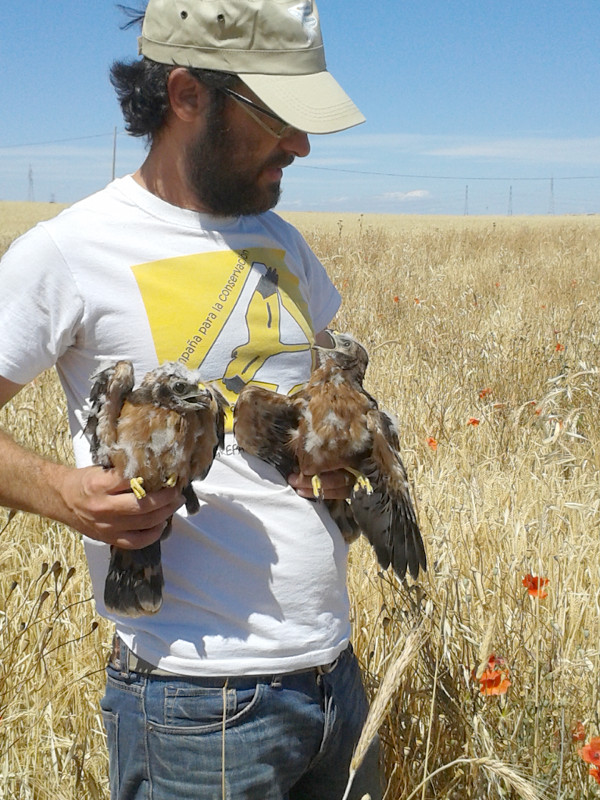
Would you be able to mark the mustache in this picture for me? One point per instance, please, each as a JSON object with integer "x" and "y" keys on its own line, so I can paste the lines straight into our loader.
{"x": 279, "y": 162}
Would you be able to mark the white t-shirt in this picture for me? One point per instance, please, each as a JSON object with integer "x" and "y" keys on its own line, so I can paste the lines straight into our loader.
{"x": 256, "y": 581}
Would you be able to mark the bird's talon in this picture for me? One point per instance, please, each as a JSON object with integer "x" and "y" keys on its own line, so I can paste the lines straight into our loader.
{"x": 171, "y": 481}
{"x": 317, "y": 486}
{"x": 137, "y": 488}
{"x": 362, "y": 482}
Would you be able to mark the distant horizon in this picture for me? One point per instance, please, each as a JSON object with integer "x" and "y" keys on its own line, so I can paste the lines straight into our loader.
{"x": 312, "y": 212}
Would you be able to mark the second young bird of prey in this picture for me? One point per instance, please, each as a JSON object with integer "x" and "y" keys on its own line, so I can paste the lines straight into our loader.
{"x": 334, "y": 422}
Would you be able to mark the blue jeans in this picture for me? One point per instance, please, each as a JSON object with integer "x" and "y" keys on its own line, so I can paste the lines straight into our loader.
{"x": 287, "y": 737}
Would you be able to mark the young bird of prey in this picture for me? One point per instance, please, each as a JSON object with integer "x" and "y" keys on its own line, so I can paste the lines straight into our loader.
{"x": 334, "y": 422}
{"x": 164, "y": 433}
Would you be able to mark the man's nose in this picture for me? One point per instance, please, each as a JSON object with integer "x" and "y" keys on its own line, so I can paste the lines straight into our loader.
{"x": 296, "y": 143}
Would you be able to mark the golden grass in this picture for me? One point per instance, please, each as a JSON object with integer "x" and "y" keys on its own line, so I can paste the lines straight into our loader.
{"x": 488, "y": 319}
{"x": 16, "y": 218}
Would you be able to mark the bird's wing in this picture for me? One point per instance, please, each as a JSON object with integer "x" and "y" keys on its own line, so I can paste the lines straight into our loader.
{"x": 210, "y": 436}
{"x": 263, "y": 424}
{"x": 220, "y": 407}
{"x": 386, "y": 514}
{"x": 110, "y": 387}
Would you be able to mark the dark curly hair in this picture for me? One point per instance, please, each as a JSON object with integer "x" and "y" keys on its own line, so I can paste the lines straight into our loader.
{"x": 141, "y": 87}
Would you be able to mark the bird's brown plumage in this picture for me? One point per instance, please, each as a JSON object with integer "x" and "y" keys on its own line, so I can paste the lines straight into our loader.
{"x": 332, "y": 423}
{"x": 164, "y": 433}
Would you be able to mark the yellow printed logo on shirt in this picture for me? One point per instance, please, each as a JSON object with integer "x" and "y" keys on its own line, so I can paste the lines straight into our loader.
{"x": 238, "y": 316}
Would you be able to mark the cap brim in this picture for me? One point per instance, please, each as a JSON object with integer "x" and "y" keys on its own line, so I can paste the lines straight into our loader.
{"x": 313, "y": 103}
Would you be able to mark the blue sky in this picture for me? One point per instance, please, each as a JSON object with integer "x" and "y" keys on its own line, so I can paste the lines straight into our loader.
{"x": 471, "y": 107}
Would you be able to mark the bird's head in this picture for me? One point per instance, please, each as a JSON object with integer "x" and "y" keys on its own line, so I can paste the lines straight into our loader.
{"x": 344, "y": 351}
{"x": 174, "y": 386}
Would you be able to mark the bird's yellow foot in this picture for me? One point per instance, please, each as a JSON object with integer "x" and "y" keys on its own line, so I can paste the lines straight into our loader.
{"x": 362, "y": 482}
{"x": 171, "y": 481}
{"x": 317, "y": 486}
{"x": 137, "y": 488}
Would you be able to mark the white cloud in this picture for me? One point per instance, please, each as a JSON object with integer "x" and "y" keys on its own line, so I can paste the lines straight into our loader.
{"x": 532, "y": 149}
{"x": 558, "y": 151}
{"x": 415, "y": 194}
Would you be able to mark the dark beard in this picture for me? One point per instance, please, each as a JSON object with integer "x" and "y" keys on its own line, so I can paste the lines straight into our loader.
{"x": 216, "y": 173}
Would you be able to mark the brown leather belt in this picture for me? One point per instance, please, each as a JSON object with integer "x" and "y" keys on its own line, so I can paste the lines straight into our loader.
{"x": 124, "y": 660}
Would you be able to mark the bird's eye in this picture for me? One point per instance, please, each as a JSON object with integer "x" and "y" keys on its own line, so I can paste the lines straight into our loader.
{"x": 179, "y": 387}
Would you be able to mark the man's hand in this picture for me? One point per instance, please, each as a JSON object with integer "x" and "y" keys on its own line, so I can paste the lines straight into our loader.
{"x": 94, "y": 501}
{"x": 336, "y": 484}
{"x": 101, "y": 505}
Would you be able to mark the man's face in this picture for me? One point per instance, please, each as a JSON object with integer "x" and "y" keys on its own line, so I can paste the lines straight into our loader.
{"x": 234, "y": 167}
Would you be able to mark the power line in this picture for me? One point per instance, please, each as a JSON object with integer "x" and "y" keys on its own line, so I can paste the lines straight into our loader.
{"x": 449, "y": 177}
{"x": 30, "y": 194}
{"x": 55, "y": 141}
{"x": 114, "y": 133}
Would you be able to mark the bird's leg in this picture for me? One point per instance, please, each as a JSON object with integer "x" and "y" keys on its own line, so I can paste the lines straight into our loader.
{"x": 362, "y": 482}
{"x": 137, "y": 488}
{"x": 171, "y": 481}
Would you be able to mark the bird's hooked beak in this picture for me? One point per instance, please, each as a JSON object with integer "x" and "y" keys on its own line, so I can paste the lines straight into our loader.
{"x": 327, "y": 340}
{"x": 197, "y": 396}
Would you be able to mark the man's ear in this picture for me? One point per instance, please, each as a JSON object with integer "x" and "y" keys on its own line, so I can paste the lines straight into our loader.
{"x": 187, "y": 96}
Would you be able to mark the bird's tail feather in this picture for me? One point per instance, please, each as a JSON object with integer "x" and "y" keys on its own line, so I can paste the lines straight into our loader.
{"x": 342, "y": 515}
{"x": 134, "y": 582}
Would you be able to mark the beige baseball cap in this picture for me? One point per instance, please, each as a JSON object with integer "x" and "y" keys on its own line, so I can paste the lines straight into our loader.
{"x": 274, "y": 46}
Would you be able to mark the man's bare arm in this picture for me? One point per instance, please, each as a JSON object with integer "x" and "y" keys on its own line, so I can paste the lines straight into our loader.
{"x": 92, "y": 500}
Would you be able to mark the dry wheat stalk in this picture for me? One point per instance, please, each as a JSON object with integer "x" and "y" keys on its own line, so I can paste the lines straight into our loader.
{"x": 496, "y": 297}
{"x": 509, "y": 775}
{"x": 380, "y": 704}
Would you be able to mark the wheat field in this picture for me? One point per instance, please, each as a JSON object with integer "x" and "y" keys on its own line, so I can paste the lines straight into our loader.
{"x": 483, "y": 335}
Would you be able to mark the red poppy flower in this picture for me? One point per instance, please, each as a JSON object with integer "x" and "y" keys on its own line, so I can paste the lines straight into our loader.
{"x": 432, "y": 443}
{"x": 396, "y": 299}
{"x": 535, "y": 586}
{"x": 494, "y": 680}
{"x": 473, "y": 421}
{"x": 485, "y": 392}
{"x": 591, "y": 752}
{"x": 595, "y": 773}
{"x": 578, "y": 732}
{"x": 559, "y": 347}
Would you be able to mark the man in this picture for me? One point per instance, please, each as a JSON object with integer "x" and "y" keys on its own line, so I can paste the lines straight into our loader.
{"x": 243, "y": 685}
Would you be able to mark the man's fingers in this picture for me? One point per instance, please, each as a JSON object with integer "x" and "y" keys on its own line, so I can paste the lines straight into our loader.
{"x": 135, "y": 540}
{"x": 336, "y": 484}
{"x": 102, "y": 506}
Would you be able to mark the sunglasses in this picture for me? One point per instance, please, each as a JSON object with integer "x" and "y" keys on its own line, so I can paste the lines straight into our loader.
{"x": 269, "y": 121}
